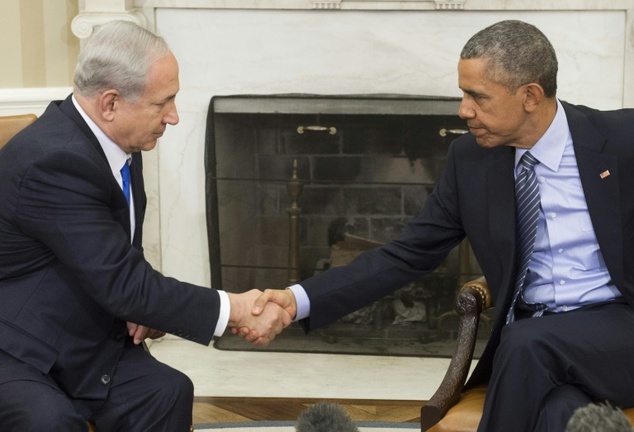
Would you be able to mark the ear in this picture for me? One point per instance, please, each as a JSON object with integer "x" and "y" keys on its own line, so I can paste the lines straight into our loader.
{"x": 533, "y": 96}
{"x": 108, "y": 103}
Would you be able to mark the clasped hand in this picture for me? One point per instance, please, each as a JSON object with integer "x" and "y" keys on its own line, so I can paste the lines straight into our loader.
{"x": 260, "y": 316}
{"x": 255, "y": 316}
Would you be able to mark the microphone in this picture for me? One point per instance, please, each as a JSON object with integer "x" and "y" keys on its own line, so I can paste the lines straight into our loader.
{"x": 325, "y": 417}
{"x": 597, "y": 417}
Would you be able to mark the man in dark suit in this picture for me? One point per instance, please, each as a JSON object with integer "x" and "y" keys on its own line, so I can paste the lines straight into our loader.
{"x": 78, "y": 296}
{"x": 562, "y": 335}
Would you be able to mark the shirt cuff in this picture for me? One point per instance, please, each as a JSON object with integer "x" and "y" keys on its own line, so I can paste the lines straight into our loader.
{"x": 223, "y": 316}
{"x": 303, "y": 303}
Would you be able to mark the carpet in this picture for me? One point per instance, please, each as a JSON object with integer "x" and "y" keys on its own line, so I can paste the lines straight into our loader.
{"x": 281, "y": 426}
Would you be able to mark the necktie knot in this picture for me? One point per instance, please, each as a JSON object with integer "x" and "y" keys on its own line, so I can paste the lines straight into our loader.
{"x": 528, "y": 161}
{"x": 125, "y": 180}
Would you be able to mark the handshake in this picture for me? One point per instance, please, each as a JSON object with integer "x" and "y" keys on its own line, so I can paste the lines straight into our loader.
{"x": 258, "y": 316}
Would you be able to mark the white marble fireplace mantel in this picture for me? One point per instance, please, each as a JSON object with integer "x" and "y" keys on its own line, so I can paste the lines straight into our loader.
{"x": 122, "y": 5}
{"x": 229, "y": 47}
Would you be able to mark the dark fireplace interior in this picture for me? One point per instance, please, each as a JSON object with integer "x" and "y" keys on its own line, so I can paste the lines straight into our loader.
{"x": 297, "y": 184}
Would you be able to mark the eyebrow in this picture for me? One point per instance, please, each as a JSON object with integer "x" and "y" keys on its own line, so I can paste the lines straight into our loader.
{"x": 165, "y": 100}
{"x": 474, "y": 93}
{"x": 170, "y": 97}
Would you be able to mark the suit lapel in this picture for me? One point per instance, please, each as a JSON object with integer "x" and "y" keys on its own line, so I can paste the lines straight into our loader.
{"x": 500, "y": 197}
{"x": 500, "y": 208}
{"x": 122, "y": 215}
{"x": 68, "y": 108}
{"x": 600, "y": 180}
{"x": 138, "y": 191}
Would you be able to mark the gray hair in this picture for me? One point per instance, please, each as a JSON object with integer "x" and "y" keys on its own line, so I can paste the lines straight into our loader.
{"x": 518, "y": 53}
{"x": 117, "y": 56}
{"x": 599, "y": 418}
{"x": 325, "y": 417}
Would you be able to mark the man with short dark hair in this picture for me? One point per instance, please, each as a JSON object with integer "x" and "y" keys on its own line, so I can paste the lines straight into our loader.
{"x": 543, "y": 190}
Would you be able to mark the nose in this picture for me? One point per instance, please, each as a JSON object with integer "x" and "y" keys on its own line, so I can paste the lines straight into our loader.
{"x": 172, "y": 117}
{"x": 465, "y": 111}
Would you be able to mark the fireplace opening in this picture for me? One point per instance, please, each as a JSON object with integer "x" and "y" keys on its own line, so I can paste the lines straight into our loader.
{"x": 297, "y": 184}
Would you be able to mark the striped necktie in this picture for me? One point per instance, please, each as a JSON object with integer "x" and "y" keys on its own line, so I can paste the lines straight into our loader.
{"x": 527, "y": 213}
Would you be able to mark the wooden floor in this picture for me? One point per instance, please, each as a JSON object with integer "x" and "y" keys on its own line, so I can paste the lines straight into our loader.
{"x": 229, "y": 409}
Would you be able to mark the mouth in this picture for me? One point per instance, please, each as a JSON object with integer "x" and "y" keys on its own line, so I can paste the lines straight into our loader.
{"x": 475, "y": 130}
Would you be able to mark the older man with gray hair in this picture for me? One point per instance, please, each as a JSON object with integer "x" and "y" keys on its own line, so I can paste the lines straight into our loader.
{"x": 78, "y": 296}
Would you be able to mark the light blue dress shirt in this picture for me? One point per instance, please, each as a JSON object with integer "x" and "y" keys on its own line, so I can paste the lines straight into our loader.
{"x": 567, "y": 269}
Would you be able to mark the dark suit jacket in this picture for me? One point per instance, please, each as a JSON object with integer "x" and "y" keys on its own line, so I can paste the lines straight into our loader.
{"x": 69, "y": 277}
{"x": 475, "y": 197}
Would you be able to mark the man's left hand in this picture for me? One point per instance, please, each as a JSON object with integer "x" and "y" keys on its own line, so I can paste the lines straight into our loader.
{"x": 139, "y": 333}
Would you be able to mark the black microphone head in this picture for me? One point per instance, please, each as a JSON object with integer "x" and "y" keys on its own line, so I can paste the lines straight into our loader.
{"x": 325, "y": 417}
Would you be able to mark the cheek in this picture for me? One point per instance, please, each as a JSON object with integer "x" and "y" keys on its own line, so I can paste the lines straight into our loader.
{"x": 153, "y": 119}
{"x": 503, "y": 118}
{"x": 142, "y": 123}
{"x": 125, "y": 126}
{"x": 512, "y": 120}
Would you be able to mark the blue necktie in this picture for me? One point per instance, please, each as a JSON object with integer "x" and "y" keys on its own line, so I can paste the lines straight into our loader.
{"x": 527, "y": 213}
{"x": 125, "y": 177}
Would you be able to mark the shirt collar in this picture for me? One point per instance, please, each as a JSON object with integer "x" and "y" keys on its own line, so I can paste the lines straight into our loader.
{"x": 115, "y": 156}
{"x": 549, "y": 150}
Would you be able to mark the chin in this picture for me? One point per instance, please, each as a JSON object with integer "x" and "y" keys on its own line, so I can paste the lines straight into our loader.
{"x": 487, "y": 143}
{"x": 482, "y": 142}
{"x": 147, "y": 146}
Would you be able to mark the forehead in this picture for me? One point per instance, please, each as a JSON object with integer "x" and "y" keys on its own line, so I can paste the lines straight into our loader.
{"x": 473, "y": 76}
{"x": 163, "y": 79}
{"x": 472, "y": 71}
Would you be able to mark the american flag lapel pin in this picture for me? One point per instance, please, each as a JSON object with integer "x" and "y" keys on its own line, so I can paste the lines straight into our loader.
{"x": 604, "y": 174}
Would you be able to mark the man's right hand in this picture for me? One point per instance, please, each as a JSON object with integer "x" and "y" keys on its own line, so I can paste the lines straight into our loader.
{"x": 284, "y": 298}
{"x": 261, "y": 328}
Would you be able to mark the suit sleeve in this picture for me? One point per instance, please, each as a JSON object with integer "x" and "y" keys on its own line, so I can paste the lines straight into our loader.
{"x": 421, "y": 248}
{"x": 69, "y": 203}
